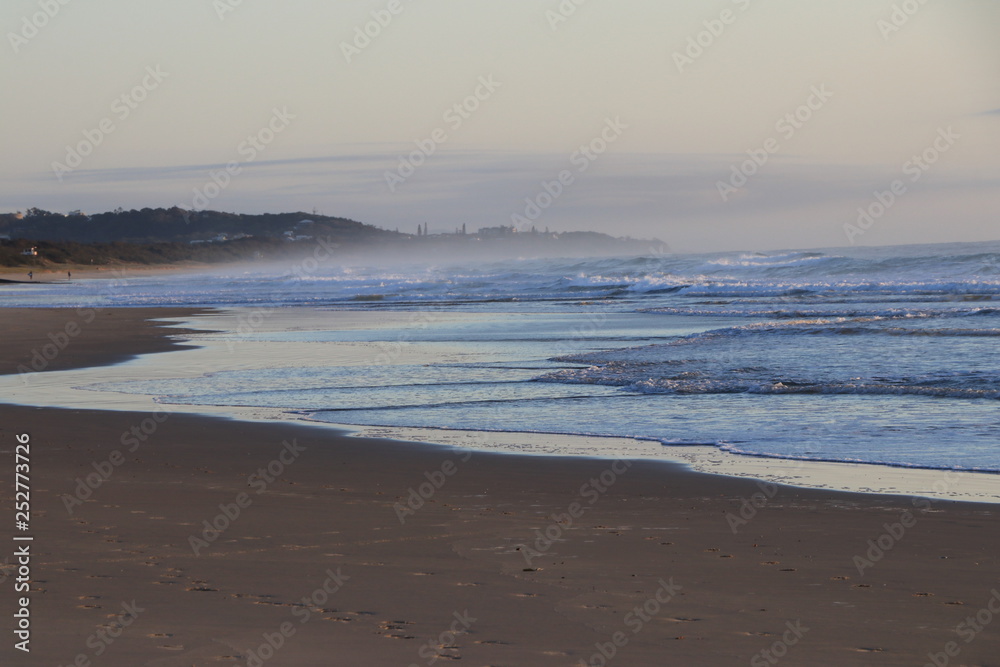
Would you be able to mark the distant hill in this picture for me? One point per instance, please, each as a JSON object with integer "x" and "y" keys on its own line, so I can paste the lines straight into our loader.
{"x": 171, "y": 236}
{"x": 176, "y": 225}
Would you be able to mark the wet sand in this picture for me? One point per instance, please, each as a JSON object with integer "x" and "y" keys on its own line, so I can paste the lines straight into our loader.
{"x": 397, "y": 547}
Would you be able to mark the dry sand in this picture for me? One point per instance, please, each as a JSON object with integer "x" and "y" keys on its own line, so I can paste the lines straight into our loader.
{"x": 380, "y": 591}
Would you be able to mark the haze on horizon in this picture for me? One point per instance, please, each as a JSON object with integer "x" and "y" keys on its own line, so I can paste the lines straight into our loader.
{"x": 488, "y": 105}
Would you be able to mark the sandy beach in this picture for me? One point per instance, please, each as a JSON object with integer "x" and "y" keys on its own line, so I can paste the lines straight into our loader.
{"x": 165, "y": 539}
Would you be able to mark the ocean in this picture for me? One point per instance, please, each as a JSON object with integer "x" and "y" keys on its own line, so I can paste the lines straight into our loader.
{"x": 871, "y": 355}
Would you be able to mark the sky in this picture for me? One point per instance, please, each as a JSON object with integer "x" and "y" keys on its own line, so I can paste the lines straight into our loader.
{"x": 709, "y": 125}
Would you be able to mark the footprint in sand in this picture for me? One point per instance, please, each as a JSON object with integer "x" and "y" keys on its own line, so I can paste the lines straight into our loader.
{"x": 394, "y": 629}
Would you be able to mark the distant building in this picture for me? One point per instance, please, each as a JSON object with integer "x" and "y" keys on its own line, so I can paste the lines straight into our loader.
{"x": 30, "y": 252}
{"x": 502, "y": 230}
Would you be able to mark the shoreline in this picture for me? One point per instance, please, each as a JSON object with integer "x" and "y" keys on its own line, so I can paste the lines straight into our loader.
{"x": 202, "y": 356}
{"x": 837, "y": 476}
{"x": 94, "y": 272}
{"x": 367, "y": 550}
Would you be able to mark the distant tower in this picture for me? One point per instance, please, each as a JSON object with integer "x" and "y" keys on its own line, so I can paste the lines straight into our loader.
{"x": 463, "y": 229}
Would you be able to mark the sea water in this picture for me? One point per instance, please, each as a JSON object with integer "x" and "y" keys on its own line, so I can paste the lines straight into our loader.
{"x": 874, "y": 355}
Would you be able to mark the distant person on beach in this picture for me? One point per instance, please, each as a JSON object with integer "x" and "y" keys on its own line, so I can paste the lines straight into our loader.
{"x": 69, "y": 276}
{"x": 31, "y": 276}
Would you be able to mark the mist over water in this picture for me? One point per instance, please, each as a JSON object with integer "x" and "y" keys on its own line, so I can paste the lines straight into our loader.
{"x": 903, "y": 274}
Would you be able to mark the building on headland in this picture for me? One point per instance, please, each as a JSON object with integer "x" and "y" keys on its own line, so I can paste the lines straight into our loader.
{"x": 30, "y": 252}
{"x": 502, "y": 230}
